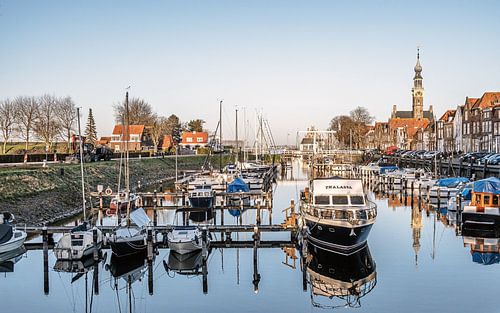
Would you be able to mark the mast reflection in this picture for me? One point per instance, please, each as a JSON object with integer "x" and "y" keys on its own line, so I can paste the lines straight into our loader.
{"x": 343, "y": 279}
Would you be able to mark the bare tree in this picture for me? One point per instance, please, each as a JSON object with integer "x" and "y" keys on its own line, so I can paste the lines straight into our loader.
{"x": 7, "y": 121}
{"x": 66, "y": 116}
{"x": 26, "y": 114}
{"x": 140, "y": 112}
{"x": 47, "y": 125}
{"x": 158, "y": 130}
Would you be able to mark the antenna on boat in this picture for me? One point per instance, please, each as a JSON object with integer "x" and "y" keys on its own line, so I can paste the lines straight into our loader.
{"x": 81, "y": 162}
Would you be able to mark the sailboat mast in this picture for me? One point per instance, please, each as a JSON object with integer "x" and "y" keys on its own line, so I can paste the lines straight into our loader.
{"x": 127, "y": 173}
{"x": 237, "y": 145}
{"x": 81, "y": 164}
{"x": 220, "y": 136}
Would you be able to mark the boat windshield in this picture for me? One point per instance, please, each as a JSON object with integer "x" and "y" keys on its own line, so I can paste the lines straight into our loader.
{"x": 357, "y": 200}
{"x": 322, "y": 200}
{"x": 339, "y": 200}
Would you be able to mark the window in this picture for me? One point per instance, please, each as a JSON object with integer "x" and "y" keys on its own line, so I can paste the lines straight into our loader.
{"x": 339, "y": 200}
{"x": 199, "y": 139}
{"x": 486, "y": 199}
{"x": 495, "y": 200}
{"x": 322, "y": 200}
{"x": 357, "y": 200}
{"x": 189, "y": 139}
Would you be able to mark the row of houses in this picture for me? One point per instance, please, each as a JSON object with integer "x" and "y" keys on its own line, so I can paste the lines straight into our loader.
{"x": 472, "y": 126}
{"x": 138, "y": 138}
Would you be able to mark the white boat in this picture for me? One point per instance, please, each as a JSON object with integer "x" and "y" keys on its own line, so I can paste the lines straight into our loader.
{"x": 130, "y": 239}
{"x": 185, "y": 239}
{"x": 10, "y": 237}
{"x": 445, "y": 188}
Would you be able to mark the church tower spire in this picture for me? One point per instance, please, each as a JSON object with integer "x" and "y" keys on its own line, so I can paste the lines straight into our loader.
{"x": 418, "y": 91}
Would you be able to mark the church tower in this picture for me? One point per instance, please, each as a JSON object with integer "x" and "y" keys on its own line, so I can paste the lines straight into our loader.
{"x": 417, "y": 91}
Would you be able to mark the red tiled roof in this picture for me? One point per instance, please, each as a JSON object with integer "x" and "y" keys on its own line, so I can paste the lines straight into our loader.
{"x": 488, "y": 99}
{"x": 412, "y": 124}
{"x": 469, "y": 103}
{"x": 447, "y": 115}
{"x": 194, "y": 136}
{"x": 167, "y": 141}
{"x": 132, "y": 130}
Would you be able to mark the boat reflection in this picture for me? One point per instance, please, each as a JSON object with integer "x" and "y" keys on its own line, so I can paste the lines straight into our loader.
{"x": 8, "y": 259}
{"x": 189, "y": 264}
{"x": 484, "y": 245}
{"x": 343, "y": 279}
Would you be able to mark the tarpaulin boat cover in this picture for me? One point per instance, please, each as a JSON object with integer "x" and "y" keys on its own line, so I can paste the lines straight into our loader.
{"x": 238, "y": 185}
{"x": 384, "y": 169}
{"x": 486, "y": 258}
{"x": 466, "y": 194}
{"x": 140, "y": 218}
{"x": 5, "y": 233}
{"x": 489, "y": 185}
{"x": 451, "y": 182}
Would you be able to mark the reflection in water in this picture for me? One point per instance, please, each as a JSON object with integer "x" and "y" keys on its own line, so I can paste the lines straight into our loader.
{"x": 416, "y": 226}
{"x": 188, "y": 264}
{"x": 344, "y": 279}
{"x": 8, "y": 259}
{"x": 484, "y": 245}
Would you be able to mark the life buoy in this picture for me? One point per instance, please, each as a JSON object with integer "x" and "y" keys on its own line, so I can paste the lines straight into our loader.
{"x": 108, "y": 191}
{"x": 109, "y": 213}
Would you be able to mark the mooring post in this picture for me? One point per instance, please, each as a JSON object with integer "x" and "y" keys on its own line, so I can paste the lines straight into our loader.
{"x": 155, "y": 202}
{"x": 101, "y": 209}
{"x": 94, "y": 242}
{"x": 204, "y": 239}
{"x": 150, "y": 243}
{"x": 150, "y": 277}
{"x": 256, "y": 275}
{"x": 428, "y": 194}
{"x": 459, "y": 211}
{"x": 439, "y": 197}
{"x": 45, "y": 239}
{"x": 257, "y": 216}
{"x": 204, "y": 271}
{"x": 96, "y": 278}
{"x": 118, "y": 213}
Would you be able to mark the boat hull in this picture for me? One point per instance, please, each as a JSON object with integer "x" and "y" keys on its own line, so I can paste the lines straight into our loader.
{"x": 201, "y": 202}
{"x": 14, "y": 243}
{"x": 480, "y": 220}
{"x": 337, "y": 238}
{"x": 128, "y": 247}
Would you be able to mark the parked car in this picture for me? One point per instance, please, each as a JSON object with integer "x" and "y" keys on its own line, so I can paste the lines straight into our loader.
{"x": 495, "y": 160}
{"x": 471, "y": 157}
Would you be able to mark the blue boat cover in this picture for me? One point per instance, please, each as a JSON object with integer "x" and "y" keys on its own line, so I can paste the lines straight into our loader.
{"x": 389, "y": 168}
{"x": 489, "y": 185}
{"x": 238, "y": 185}
{"x": 466, "y": 194}
{"x": 451, "y": 182}
{"x": 485, "y": 258}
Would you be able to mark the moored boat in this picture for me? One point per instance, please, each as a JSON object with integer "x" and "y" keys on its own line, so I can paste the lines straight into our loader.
{"x": 185, "y": 239}
{"x": 336, "y": 214}
{"x": 202, "y": 196}
{"x": 10, "y": 237}
{"x": 445, "y": 188}
{"x": 484, "y": 209}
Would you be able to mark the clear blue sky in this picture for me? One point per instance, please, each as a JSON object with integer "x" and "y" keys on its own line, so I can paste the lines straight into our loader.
{"x": 302, "y": 62}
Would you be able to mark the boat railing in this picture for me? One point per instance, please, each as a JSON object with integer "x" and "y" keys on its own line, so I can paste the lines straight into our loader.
{"x": 349, "y": 214}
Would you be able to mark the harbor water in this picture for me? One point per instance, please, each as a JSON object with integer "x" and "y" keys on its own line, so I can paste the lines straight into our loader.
{"x": 415, "y": 262}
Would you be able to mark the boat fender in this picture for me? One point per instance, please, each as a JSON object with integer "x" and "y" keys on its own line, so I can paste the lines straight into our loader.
{"x": 138, "y": 202}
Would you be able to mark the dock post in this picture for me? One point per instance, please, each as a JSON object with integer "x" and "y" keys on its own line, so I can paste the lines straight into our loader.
{"x": 439, "y": 197}
{"x": 204, "y": 271}
{"x": 412, "y": 191}
{"x": 257, "y": 216}
{"x": 101, "y": 210}
{"x": 256, "y": 275}
{"x": 428, "y": 194}
{"x": 150, "y": 243}
{"x": 96, "y": 279}
{"x": 204, "y": 238}
{"x": 459, "y": 213}
{"x": 94, "y": 242}
{"x": 155, "y": 202}
{"x": 150, "y": 277}
{"x": 45, "y": 239}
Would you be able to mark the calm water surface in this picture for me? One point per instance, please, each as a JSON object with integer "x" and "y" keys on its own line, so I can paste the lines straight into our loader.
{"x": 421, "y": 266}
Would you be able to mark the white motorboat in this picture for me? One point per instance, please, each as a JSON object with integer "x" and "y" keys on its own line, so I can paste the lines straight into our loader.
{"x": 445, "y": 188}
{"x": 185, "y": 239}
{"x": 10, "y": 237}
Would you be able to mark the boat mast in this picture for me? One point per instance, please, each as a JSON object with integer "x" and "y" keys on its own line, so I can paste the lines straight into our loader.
{"x": 81, "y": 163}
{"x": 127, "y": 173}
{"x": 237, "y": 146}
{"x": 220, "y": 136}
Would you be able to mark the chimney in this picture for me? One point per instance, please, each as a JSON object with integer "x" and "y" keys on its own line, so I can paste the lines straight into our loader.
{"x": 430, "y": 108}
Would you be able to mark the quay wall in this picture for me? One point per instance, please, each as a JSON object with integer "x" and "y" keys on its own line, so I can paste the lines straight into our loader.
{"x": 40, "y": 196}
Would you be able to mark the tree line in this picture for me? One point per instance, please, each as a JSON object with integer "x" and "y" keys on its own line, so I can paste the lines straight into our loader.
{"x": 140, "y": 112}
{"x": 46, "y": 118}
{"x": 352, "y": 128}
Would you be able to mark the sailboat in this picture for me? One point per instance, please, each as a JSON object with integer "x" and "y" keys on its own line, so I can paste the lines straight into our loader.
{"x": 79, "y": 242}
{"x": 128, "y": 239}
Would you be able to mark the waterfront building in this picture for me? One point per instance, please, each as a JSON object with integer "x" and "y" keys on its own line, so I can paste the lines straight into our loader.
{"x": 457, "y": 128}
{"x": 445, "y": 132}
{"x": 137, "y": 139}
{"x": 480, "y": 131}
{"x": 194, "y": 140}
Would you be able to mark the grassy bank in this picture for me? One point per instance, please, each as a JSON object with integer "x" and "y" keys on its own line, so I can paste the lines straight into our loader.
{"x": 38, "y": 196}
